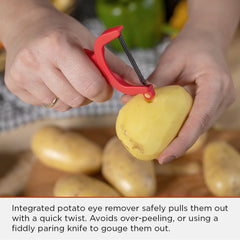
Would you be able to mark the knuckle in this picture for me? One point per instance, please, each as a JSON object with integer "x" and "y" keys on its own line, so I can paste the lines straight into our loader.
{"x": 76, "y": 101}
{"x": 53, "y": 40}
{"x": 94, "y": 90}
{"x": 26, "y": 57}
{"x": 15, "y": 79}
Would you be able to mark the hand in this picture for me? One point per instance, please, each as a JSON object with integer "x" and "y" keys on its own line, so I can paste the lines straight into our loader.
{"x": 194, "y": 59}
{"x": 45, "y": 59}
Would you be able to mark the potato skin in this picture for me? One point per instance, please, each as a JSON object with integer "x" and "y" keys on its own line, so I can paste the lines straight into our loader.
{"x": 147, "y": 127}
{"x": 130, "y": 176}
{"x": 66, "y": 150}
{"x": 80, "y": 185}
{"x": 221, "y": 165}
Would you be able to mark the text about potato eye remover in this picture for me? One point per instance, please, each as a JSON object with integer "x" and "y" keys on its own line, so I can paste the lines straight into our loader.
{"x": 120, "y": 218}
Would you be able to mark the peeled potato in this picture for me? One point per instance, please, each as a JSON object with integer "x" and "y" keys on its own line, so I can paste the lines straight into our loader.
{"x": 127, "y": 174}
{"x": 66, "y": 150}
{"x": 221, "y": 164}
{"x": 82, "y": 186}
{"x": 147, "y": 127}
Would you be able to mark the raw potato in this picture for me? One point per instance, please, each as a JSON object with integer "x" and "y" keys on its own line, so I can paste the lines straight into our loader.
{"x": 127, "y": 174}
{"x": 178, "y": 166}
{"x": 82, "y": 186}
{"x": 63, "y": 5}
{"x": 221, "y": 165}
{"x": 66, "y": 150}
{"x": 147, "y": 127}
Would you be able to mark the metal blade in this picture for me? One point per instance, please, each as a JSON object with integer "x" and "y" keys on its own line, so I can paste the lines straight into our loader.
{"x": 132, "y": 60}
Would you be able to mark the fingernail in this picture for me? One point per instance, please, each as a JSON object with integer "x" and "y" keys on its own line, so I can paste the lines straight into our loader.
{"x": 168, "y": 159}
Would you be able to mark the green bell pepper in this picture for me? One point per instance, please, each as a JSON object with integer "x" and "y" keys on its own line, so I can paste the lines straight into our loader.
{"x": 142, "y": 20}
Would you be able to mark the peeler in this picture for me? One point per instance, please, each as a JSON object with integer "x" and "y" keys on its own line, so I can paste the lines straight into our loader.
{"x": 114, "y": 79}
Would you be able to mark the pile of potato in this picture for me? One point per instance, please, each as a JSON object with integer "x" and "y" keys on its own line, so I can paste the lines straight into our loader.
{"x": 71, "y": 152}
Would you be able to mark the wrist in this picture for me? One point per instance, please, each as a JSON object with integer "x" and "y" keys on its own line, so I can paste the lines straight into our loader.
{"x": 18, "y": 17}
{"x": 207, "y": 33}
{"x": 216, "y": 18}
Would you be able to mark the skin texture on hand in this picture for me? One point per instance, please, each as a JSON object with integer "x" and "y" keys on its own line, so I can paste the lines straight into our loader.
{"x": 45, "y": 59}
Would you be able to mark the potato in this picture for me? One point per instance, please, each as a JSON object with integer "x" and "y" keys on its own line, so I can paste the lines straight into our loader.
{"x": 127, "y": 174}
{"x": 179, "y": 166}
{"x": 147, "y": 127}
{"x": 221, "y": 164}
{"x": 63, "y": 5}
{"x": 66, "y": 150}
{"x": 81, "y": 185}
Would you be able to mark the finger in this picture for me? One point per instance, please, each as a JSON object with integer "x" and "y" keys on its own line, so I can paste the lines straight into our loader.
{"x": 30, "y": 89}
{"x": 40, "y": 92}
{"x": 27, "y": 97}
{"x": 45, "y": 96}
{"x": 60, "y": 106}
{"x": 84, "y": 76}
{"x": 125, "y": 98}
{"x": 204, "y": 112}
{"x": 59, "y": 85}
{"x": 118, "y": 66}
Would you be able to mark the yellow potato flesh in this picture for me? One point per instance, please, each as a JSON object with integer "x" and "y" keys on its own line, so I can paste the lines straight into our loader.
{"x": 221, "y": 164}
{"x": 82, "y": 186}
{"x": 130, "y": 176}
{"x": 66, "y": 150}
{"x": 147, "y": 127}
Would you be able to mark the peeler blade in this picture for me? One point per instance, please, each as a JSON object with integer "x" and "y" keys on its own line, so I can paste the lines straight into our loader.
{"x": 132, "y": 60}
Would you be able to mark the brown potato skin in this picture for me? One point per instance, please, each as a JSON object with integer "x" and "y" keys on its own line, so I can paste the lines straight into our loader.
{"x": 221, "y": 165}
{"x": 130, "y": 176}
{"x": 66, "y": 150}
{"x": 80, "y": 185}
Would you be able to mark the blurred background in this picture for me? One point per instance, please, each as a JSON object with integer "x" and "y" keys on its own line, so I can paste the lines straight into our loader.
{"x": 149, "y": 26}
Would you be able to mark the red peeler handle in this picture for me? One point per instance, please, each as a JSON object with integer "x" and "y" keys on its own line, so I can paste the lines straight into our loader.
{"x": 114, "y": 79}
